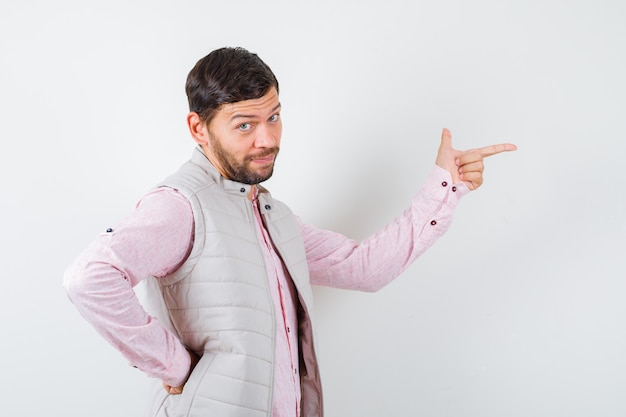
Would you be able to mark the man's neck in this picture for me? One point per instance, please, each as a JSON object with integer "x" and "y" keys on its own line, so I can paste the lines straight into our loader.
{"x": 253, "y": 192}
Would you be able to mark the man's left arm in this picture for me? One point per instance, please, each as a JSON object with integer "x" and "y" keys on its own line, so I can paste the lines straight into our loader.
{"x": 336, "y": 261}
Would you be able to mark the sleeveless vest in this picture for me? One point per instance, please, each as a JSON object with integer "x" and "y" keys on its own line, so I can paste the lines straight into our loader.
{"x": 219, "y": 305}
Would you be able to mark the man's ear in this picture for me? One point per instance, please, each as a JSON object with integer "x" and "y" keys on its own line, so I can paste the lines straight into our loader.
{"x": 198, "y": 128}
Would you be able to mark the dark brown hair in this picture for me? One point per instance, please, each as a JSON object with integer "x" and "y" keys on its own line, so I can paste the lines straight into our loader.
{"x": 227, "y": 75}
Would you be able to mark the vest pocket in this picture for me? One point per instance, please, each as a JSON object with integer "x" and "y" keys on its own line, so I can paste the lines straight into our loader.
{"x": 180, "y": 405}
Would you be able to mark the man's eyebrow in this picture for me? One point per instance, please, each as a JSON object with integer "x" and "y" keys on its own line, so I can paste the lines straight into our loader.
{"x": 251, "y": 116}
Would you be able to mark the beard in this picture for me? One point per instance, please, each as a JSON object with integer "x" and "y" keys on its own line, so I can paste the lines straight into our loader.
{"x": 242, "y": 171}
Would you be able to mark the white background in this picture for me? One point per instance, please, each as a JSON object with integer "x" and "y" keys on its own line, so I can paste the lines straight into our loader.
{"x": 518, "y": 311}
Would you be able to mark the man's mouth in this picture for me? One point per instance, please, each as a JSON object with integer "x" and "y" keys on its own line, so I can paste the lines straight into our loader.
{"x": 265, "y": 158}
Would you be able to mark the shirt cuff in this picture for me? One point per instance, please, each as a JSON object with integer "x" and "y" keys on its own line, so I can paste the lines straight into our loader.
{"x": 440, "y": 187}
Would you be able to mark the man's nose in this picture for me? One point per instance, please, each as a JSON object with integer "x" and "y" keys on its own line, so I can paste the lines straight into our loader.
{"x": 265, "y": 137}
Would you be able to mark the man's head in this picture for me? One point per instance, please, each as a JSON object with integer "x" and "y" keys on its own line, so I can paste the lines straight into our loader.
{"x": 226, "y": 76}
{"x": 235, "y": 113}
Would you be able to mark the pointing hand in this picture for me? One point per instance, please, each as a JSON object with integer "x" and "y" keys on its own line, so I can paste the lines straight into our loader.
{"x": 466, "y": 166}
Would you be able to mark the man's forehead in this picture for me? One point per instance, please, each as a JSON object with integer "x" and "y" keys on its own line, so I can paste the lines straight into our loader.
{"x": 268, "y": 102}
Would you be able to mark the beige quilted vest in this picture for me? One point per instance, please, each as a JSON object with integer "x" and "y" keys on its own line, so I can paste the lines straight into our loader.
{"x": 218, "y": 302}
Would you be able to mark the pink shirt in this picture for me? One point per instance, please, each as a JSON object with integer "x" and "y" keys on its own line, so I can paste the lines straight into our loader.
{"x": 286, "y": 379}
{"x": 156, "y": 239}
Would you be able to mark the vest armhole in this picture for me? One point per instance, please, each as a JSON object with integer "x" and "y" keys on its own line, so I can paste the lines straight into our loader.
{"x": 199, "y": 237}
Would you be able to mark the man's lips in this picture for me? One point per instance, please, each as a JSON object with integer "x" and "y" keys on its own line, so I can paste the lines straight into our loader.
{"x": 264, "y": 159}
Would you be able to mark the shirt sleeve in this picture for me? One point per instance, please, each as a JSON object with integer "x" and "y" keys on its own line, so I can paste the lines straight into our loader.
{"x": 337, "y": 261}
{"x": 153, "y": 241}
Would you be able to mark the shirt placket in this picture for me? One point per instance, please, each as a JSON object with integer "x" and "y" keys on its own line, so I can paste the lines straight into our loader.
{"x": 283, "y": 297}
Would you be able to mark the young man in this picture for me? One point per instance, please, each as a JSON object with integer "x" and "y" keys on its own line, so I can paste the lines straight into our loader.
{"x": 229, "y": 269}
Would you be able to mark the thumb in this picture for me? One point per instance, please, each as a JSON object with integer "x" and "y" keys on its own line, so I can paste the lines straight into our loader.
{"x": 446, "y": 155}
{"x": 446, "y": 138}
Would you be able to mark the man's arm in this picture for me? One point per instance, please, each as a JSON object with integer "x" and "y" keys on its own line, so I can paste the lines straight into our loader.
{"x": 153, "y": 241}
{"x": 337, "y": 261}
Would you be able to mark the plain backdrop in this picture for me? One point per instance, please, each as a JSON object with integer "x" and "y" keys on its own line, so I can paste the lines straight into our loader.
{"x": 518, "y": 311}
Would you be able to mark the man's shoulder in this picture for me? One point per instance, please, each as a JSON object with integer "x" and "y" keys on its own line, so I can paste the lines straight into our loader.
{"x": 189, "y": 179}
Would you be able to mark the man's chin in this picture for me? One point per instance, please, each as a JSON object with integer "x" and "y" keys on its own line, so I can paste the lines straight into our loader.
{"x": 262, "y": 178}
{"x": 256, "y": 177}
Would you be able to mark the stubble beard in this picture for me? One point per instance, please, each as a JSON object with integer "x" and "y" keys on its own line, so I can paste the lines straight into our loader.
{"x": 241, "y": 171}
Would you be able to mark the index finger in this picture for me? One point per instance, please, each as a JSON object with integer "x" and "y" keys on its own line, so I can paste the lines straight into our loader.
{"x": 495, "y": 149}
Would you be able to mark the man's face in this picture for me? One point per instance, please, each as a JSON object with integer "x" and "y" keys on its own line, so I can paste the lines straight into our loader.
{"x": 244, "y": 139}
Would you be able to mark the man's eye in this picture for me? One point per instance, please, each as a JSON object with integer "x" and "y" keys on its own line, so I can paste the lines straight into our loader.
{"x": 273, "y": 118}
{"x": 244, "y": 126}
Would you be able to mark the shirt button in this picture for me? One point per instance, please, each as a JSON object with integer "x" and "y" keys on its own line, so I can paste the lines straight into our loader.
{"x": 268, "y": 207}
{"x": 109, "y": 230}
{"x": 243, "y": 190}
{"x": 444, "y": 184}
{"x": 453, "y": 189}
{"x": 433, "y": 222}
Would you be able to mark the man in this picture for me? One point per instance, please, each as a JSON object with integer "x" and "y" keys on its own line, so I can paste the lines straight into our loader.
{"x": 229, "y": 269}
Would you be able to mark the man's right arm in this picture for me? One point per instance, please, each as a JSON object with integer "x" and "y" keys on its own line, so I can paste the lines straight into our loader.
{"x": 153, "y": 241}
